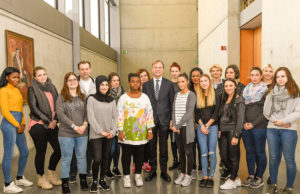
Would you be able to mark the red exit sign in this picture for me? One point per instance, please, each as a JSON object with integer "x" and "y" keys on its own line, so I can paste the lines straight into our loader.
{"x": 223, "y": 48}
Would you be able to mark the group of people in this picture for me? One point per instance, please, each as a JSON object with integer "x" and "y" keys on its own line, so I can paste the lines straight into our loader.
{"x": 88, "y": 122}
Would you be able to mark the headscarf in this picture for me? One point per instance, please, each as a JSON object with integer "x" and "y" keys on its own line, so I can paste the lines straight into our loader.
{"x": 98, "y": 95}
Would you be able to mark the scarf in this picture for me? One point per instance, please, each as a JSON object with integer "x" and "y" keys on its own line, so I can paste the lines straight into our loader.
{"x": 98, "y": 95}
{"x": 116, "y": 93}
{"x": 253, "y": 93}
{"x": 277, "y": 100}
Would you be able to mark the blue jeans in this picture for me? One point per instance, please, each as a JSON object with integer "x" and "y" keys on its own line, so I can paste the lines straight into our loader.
{"x": 255, "y": 145}
{"x": 10, "y": 138}
{"x": 114, "y": 153}
{"x": 208, "y": 149}
{"x": 282, "y": 141}
{"x": 67, "y": 145}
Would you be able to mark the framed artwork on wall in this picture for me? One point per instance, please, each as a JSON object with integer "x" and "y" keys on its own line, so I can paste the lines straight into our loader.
{"x": 20, "y": 54}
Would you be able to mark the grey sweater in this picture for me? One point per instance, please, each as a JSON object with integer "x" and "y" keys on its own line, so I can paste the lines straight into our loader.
{"x": 102, "y": 116}
{"x": 289, "y": 115}
{"x": 69, "y": 113}
{"x": 187, "y": 118}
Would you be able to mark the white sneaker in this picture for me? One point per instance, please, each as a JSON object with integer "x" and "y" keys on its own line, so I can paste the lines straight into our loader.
{"x": 229, "y": 184}
{"x": 194, "y": 174}
{"x": 23, "y": 182}
{"x": 238, "y": 182}
{"x": 186, "y": 181}
{"x": 138, "y": 180}
{"x": 200, "y": 175}
{"x": 179, "y": 179}
{"x": 127, "y": 183}
{"x": 12, "y": 188}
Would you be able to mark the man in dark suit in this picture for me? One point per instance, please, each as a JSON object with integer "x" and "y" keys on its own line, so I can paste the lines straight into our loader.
{"x": 161, "y": 94}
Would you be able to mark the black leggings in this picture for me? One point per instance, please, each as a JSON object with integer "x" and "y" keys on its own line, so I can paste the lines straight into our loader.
{"x": 41, "y": 136}
{"x": 230, "y": 154}
{"x": 185, "y": 152}
{"x": 101, "y": 150}
{"x": 138, "y": 157}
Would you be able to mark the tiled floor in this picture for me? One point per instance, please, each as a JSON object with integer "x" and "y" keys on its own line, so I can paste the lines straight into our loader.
{"x": 156, "y": 186}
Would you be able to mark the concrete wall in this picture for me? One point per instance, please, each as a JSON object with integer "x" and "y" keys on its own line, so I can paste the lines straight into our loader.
{"x": 158, "y": 29}
{"x": 218, "y": 26}
{"x": 51, "y": 51}
{"x": 281, "y": 39}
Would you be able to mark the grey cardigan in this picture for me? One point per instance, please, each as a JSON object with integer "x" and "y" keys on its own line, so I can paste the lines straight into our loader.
{"x": 102, "y": 116}
{"x": 187, "y": 118}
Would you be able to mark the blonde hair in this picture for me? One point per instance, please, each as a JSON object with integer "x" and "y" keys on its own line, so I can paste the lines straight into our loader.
{"x": 215, "y": 66}
{"x": 268, "y": 66}
{"x": 211, "y": 96}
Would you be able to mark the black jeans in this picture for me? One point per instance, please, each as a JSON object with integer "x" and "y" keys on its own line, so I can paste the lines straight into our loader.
{"x": 185, "y": 152}
{"x": 230, "y": 154}
{"x": 101, "y": 150}
{"x": 41, "y": 136}
{"x": 138, "y": 157}
{"x": 196, "y": 144}
{"x": 173, "y": 146}
{"x": 161, "y": 132}
{"x": 147, "y": 151}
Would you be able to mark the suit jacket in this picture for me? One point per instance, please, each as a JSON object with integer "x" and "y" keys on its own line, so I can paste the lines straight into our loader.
{"x": 162, "y": 107}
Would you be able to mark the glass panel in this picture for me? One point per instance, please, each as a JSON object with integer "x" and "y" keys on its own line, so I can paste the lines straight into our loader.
{"x": 106, "y": 19}
{"x": 94, "y": 18}
{"x": 68, "y": 8}
{"x": 51, "y": 2}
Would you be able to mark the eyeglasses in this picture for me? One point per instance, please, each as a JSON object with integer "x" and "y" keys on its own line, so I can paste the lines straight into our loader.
{"x": 72, "y": 80}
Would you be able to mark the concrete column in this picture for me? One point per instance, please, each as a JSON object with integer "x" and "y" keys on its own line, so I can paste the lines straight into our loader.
{"x": 61, "y": 6}
{"x": 87, "y": 15}
{"x": 115, "y": 29}
{"x": 102, "y": 21}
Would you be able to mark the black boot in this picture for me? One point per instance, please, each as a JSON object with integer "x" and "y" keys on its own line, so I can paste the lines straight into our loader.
{"x": 83, "y": 184}
{"x": 65, "y": 185}
{"x": 174, "y": 165}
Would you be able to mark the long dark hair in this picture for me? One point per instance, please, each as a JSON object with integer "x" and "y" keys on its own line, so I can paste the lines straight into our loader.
{"x": 231, "y": 110}
{"x": 291, "y": 85}
{"x": 191, "y": 84}
{"x": 6, "y": 72}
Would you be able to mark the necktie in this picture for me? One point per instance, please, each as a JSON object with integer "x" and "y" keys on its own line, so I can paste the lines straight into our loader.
{"x": 156, "y": 89}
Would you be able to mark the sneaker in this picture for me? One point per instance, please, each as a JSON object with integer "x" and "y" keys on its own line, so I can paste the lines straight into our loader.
{"x": 127, "y": 183}
{"x": 229, "y": 184}
{"x": 194, "y": 174}
{"x": 238, "y": 182}
{"x": 23, "y": 182}
{"x": 116, "y": 172}
{"x": 147, "y": 167}
{"x": 186, "y": 181}
{"x": 103, "y": 186}
{"x": 203, "y": 183}
{"x": 44, "y": 183}
{"x": 72, "y": 180}
{"x": 138, "y": 180}
{"x": 179, "y": 179}
{"x": 210, "y": 183}
{"x": 200, "y": 175}
{"x": 94, "y": 187}
{"x": 257, "y": 183}
{"x": 225, "y": 175}
{"x": 248, "y": 181}
{"x": 286, "y": 190}
{"x": 272, "y": 189}
{"x": 52, "y": 178}
{"x": 12, "y": 188}
{"x": 109, "y": 175}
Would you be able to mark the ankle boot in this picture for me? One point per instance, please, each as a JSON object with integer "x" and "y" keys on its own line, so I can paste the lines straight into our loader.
{"x": 65, "y": 185}
{"x": 83, "y": 183}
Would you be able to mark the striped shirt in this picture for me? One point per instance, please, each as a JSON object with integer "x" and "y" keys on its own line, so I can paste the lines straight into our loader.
{"x": 180, "y": 106}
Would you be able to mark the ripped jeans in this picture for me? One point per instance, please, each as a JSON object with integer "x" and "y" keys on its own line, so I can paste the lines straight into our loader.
{"x": 208, "y": 145}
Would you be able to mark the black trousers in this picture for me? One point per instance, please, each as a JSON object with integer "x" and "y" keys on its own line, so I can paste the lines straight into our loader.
{"x": 41, "y": 136}
{"x": 173, "y": 146}
{"x": 196, "y": 145}
{"x": 101, "y": 151}
{"x": 147, "y": 151}
{"x": 185, "y": 152}
{"x": 230, "y": 154}
{"x": 138, "y": 157}
{"x": 160, "y": 133}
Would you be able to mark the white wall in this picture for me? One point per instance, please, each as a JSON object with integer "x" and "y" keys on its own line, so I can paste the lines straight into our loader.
{"x": 218, "y": 26}
{"x": 281, "y": 39}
